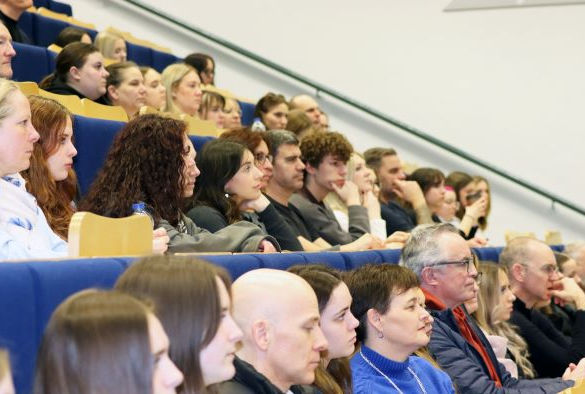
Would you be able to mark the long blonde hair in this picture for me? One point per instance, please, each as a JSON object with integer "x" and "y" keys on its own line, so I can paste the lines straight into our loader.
{"x": 488, "y": 301}
{"x": 171, "y": 78}
{"x": 105, "y": 41}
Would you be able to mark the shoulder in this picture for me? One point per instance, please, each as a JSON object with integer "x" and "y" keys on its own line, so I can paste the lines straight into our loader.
{"x": 426, "y": 371}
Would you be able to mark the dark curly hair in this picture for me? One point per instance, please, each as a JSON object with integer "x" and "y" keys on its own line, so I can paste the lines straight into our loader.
{"x": 314, "y": 147}
{"x": 145, "y": 163}
{"x": 218, "y": 161}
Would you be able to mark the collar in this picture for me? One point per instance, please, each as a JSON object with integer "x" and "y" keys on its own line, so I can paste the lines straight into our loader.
{"x": 15, "y": 179}
{"x": 305, "y": 192}
{"x": 432, "y": 301}
{"x": 520, "y": 306}
{"x": 387, "y": 366}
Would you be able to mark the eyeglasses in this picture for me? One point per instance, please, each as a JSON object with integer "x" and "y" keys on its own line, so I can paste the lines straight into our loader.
{"x": 261, "y": 158}
{"x": 549, "y": 269}
{"x": 466, "y": 262}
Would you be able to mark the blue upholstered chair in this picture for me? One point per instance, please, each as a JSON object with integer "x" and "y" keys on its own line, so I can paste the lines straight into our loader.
{"x": 31, "y": 63}
{"x": 162, "y": 59}
{"x": 139, "y": 54}
{"x": 247, "y": 113}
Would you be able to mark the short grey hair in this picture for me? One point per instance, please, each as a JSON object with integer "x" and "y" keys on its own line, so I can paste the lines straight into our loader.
{"x": 275, "y": 138}
{"x": 517, "y": 251}
{"x": 422, "y": 248}
{"x": 573, "y": 250}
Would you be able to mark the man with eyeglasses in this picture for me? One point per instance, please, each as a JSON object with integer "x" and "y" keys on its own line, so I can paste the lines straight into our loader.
{"x": 535, "y": 279}
{"x": 447, "y": 271}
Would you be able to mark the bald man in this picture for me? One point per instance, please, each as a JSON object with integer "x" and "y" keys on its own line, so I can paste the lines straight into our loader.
{"x": 279, "y": 315}
{"x": 309, "y": 105}
{"x": 6, "y": 52}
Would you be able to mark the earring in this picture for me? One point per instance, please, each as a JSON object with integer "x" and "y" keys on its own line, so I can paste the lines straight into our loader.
{"x": 227, "y": 195}
{"x": 381, "y": 335}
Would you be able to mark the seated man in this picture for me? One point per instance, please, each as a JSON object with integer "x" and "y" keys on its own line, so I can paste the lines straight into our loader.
{"x": 533, "y": 275}
{"x": 325, "y": 156}
{"x": 282, "y": 343}
{"x": 441, "y": 259}
{"x": 7, "y": 52}
{"x": 10, "y": 12}
{"x": 576, "y": 251}
{"x": 287, "y": 178}
{"x": 309, "y": 105}
{"x": 403, "y": 202}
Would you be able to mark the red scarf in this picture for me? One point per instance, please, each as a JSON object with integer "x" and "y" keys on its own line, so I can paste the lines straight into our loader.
{"x": 467, "y": 332}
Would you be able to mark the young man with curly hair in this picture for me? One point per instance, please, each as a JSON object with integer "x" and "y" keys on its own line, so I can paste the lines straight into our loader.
{"x": 325, "y": 156}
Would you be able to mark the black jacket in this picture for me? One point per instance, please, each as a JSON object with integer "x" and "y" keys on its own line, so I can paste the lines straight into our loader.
{"x": 59, "y": 87}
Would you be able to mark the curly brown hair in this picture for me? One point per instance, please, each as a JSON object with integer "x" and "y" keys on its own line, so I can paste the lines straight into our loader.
{"x": 145, "y": 163}
{"x": 314, "y": 147}
{"x": 54, "y": 198}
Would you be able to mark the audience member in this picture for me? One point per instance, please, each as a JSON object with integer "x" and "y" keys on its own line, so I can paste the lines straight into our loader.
{"x": 446, "y": 213}
{"x": 7, "y": 52}
{"x": 229, "y": 191}
{"x": 272, "y": 111}
{"x": 192, "y": 300}
{"x": 50, "y": 177}
{"x": 212, "y": 105}
{"x": 324, "y": 121}
{"x": 152, "y": 160}
{"x": 104, "y": 342}
{"x": 79, "y": 71}
{"x": 364, "y": 179}
{"x": 403, "y": 202}
{"x": 232, "y": 114}
{"x": 183, "y": 89}
{"x": 309, "y": 105}
{"x": 325, "y": 156}
{"x": 205, "y": 66}
{"x": 444, "y": 264}
{"x": 279, "y": 315}
{"x": 576, "y": 251}
{"x": 10, "y": 13}
{"x": 287, "y": 178}
{"x": 472, "y": 204}
{"x": 6, "y": 384}
{"x": 255, "y": 144}
{"x": 111, "y": 45}
{"x": 299, "y": 123}
{"x": 125, "y": 87}
{"x": 72, "y": 34}
{"x": 568, "y": 267}
{"x": 156, "y": 94}
{"x": 333, "y": 375}
{"x": 481, "y": 185}
{"x": 24, "y": 231}
{"x": 393, "y": 324}
{"x": 496, "y": 303}
{"x": 534, "y": 276}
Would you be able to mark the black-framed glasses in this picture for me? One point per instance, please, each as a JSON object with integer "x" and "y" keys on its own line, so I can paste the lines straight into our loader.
{"x": 260, "y": 158}
{"x": 466, "y": 262}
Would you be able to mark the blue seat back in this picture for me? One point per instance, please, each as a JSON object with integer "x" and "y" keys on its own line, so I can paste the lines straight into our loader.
{"x": 31, "y": 63}
{"x": 139, "y": 54}
{"x": 199, "y": 141}
{"x": 92, "y": 138}
{"x": 46, "y": 30}
{"x": 26, "y": 23}
{"x": 61, "y": 8}
{"x": 162, "y": 59}
{"x": 247, "y": 113}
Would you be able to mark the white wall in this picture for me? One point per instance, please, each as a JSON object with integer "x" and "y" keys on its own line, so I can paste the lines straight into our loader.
{"x": 505, "y": 85}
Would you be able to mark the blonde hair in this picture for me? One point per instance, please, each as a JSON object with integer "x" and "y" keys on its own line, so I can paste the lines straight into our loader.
{"x": 488, "y": 300}
{"x": 332, "y": 200}
{"x": 4, "y": 364}
{"x": 7, "y": 88}
{"x": 171, "y": 78}
{"x": 105, "y": 41}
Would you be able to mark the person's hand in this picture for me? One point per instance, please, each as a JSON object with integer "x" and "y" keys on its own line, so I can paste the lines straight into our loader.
{"x": 575, "y": 372}
{"x": 570, "y": 292}
{"x": 349, "y": 193}
{"x": 398, "y": 237}
{"x": 365, "y": 242}
{"x": 258, "y": 205}
{"x": 410, "y": 191}
{"x": 266, "y": 247}
{"x": 160, "y": 241}
{"x": 371, "y": 203}
{"x": 477, "y": 242}
{"x": 477, "y": 209}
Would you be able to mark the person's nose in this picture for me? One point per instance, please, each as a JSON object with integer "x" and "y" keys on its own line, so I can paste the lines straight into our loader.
{"x": 320, "y": 344}
{"x": 72, "y": 150}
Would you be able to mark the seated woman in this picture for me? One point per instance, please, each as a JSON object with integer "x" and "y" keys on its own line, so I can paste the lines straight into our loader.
{"x": 111, "y": 45}
{"x": 156, "y": 94}
{"x": 79, "y": 71}
{"x": 481, "y": 185}
{"x": 50, "y": 177}
{"x": 359, "y": 174}
{"x": 205, "y": 66}
{"x": 232, "y": 114}
{"x": 229, "y": 188}
{"x": 255, "y": 143}
{"x": 183, "y": 88}
{"x": 333, "y": 376}
{"x": 394, "y": 323}
{"x": 299, "y": 123}
{"x": 104, "y": 342}
{"x": 125, "y": 87}
{"x": 6, "y": 384}
{"x": 212, "y": 105}
{"x": 472, "y": 205}
{"x": 270, "y": 113}
{"x": 492, "y": 314}
{"x": 24, "y": 231}
{"x": 72, "y": 34}
{"x": 193, "y": 302}
{"x": 152, "y": 160}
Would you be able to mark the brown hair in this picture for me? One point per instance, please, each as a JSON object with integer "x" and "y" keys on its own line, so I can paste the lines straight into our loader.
{"x": 299, "y": 123}
{"x": 427, "y": 178}
{"x": 373, "y": 286}
{"x": 336, "y": 378}
{"x": 73, "y": 55}
{"x": 96, "y": 342}
{"x": 116, "y": 71}
{"x": 374, "y": 156}
{"x": 458, "y": 180}
{"x": 186, "y": 299}
{"x": 243, "y": 135}
{"x": 209, "y": 100}
{"x": 55, "y": 198}
{"x": 145, "y": 163}
{"x": 314, "y": 147}
{"x": 267, "y": 102}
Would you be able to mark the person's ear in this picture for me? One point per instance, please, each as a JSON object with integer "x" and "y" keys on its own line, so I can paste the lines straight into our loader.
{"x": 428, "y": 276}
{"x": 310, "y": 169}
{"x": 374, "y": 319}
{"x": 261, "y": 334}
{"x": 518, "y": 272}
{"x": 113, "y": 93}
{"x": 75, "y": 73}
